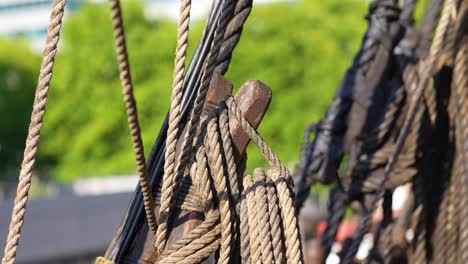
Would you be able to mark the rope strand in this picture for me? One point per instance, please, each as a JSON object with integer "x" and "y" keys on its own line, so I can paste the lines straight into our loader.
{"x": 32, "y": 141}
{"x": 132, "y": 113}
{"x": 172, "y": 177}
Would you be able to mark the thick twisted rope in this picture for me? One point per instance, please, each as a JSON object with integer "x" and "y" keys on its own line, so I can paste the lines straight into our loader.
{"x": 365, "y": 76}
{"x": 233, "y": 34}
{"x": 32, "y": 141}
{"x": 221, "y": 187}
{"x": 184, "y": 248}
{"x": 275, "y": 222}
{"x": 208, "y": 71}
{"x": 172, "y": 178}
{"x": 245, "y": 232}
{"x": 231, "y": 170}
{"x": 425, "y": 67}
{"x": 132, "y": 113}
{"x": 266, "y": 214}
{"x": 304, "y": 183}
{"x": 460, "y": 82}
{"x": 254, "y": 232}
{"x": 171, "y": 183}
{"x": 407, "y": 11}
{"x": 429, "y": 22}
{"x": 263, "y": 223}
{"x": 280, "y": 175}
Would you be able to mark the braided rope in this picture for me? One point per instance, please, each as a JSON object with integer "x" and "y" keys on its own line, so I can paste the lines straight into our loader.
{"x": 32, "y": 141}
{"x": 196, "y": 243}
{"x": 172, "y": 178}
{"x": 132, "y": 113}
{"x": 419, "y": 221}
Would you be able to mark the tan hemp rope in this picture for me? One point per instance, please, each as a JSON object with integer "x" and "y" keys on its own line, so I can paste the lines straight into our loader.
{"x": 266, "y": 214}
{"x": 172, "y": 177}
{"x": 32, "y": 141}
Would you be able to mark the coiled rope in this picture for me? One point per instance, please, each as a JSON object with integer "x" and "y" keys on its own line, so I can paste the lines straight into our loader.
{"x": 32, "y": 141}
{"x": 267, "y": 222}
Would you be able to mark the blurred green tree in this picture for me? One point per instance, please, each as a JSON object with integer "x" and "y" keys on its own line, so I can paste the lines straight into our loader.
{"x": 300, "y": 49}
{"x": 85, "y": 127}
{"x": 18, "y": 78}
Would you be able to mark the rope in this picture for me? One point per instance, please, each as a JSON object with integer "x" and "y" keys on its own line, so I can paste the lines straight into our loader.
{"x": 170, "y": 183}
{"x": 263, "y": 216}
{"x": 369, "y": 70}
{"x": 275, "y": 222}
{"x": 266, "y": 222}
{"x": 254, "y": 235}
{"x": 215, "y": 160}
{"x": 337, "y": 204}
{"x": 407, "y": 11}
{"x": 233, "y": 34}
{"x": 32, "y": 141}
{"x": 173, "y": 178}
{"x": 132, "y": 113}
{"x": 460, "y": 83}
{"x": 244, "y": 223}
{"x": 425, "y": 67}
{"x": 304, "y": 183}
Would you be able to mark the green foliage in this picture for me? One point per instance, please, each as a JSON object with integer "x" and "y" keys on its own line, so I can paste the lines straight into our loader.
{"x": 299, "y": 49}
{"x": 18, "y": 78}
{"x": 85, "y": 128}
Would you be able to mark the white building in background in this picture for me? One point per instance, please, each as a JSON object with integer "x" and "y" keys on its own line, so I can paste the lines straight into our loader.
{"x": 30, "y": 18}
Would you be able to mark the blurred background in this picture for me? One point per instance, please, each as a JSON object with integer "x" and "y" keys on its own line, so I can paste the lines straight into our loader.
{"x": 86, "y": 168}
